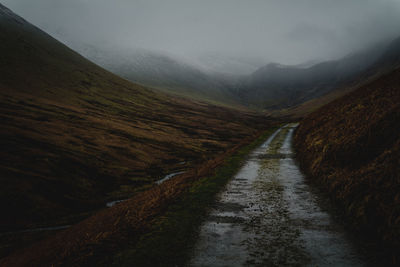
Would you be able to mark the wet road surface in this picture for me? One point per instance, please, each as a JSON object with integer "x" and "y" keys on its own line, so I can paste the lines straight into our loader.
{"x": 269, "y": 216}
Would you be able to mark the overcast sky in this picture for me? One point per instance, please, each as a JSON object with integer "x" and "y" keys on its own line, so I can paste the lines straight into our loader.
{"x": 285, "y": 31}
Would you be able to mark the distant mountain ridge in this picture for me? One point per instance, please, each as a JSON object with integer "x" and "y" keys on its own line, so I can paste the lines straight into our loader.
{"x": 274, "y": 86}
{"x": 278, "y": 86}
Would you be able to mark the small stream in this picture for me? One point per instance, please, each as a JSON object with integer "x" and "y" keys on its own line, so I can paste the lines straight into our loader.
{"x": 108, "y": 205}
{"x": 168, "y": 176}
{"x": 269, "y": 216}
{"x": 165, "y": 178}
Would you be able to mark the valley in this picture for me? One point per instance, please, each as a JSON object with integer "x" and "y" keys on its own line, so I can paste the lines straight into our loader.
{"x": 171, "y": 145}
{"x": 75, "y": 136}
{"x": 270, "y": 88}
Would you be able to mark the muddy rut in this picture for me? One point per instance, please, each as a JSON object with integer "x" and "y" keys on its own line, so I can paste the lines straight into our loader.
{"x": 268, "y": 216}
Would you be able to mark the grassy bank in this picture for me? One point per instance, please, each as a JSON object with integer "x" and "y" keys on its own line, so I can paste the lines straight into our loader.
{"x": 351, "y": 147}
{"x": 172, "y": 236}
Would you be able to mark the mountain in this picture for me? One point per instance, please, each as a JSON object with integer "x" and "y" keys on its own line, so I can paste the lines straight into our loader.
{"x": 216, "y": 79}
{"x": 351, "y": 147}
{"x": 161, "y": 71}
{"x": 273, "y": 86}
{"x": 75, "y": 136}
{"x": 277, "y": 86}
{"x": 388, "y": 60}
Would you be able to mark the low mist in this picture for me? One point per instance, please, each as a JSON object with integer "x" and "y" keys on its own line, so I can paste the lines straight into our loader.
{"x": 256, "y": 31}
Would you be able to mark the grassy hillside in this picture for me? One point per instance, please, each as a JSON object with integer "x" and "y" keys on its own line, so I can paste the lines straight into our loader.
{"x": 75, "y": 136}
{"x": 155, "y": 228}
{"x": 162, "y": 72}
{"x": 352, "y": 148}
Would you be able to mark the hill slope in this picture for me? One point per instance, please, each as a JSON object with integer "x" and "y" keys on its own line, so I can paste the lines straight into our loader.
{"x": 352, "y": 148}
{"x": 271, "y": 87}
{"x": 278, "y": 86}
{"x": 388, "y": 61}
{"x": 75, "y": 136}
{"x": 163, "y": 72}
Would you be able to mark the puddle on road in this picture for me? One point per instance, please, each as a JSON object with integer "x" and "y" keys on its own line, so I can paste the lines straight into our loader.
{"x": 268, "y": 216}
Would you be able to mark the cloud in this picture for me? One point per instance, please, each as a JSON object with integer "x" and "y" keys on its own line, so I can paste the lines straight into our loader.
{"x": 286, "y": 31}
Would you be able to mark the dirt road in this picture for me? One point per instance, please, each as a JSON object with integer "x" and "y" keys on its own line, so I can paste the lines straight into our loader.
{"x": 269, "y": 216}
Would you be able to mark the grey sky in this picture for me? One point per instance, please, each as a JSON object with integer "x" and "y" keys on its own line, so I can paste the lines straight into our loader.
{"x": 285, "y": 31}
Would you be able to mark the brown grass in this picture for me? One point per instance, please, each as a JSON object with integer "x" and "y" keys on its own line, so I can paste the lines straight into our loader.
{"x": 352, "y": 147}
{"x": 96, "y": 239}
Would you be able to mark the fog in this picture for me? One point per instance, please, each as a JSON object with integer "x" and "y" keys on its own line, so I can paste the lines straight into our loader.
{"x": 284, "y": 31}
